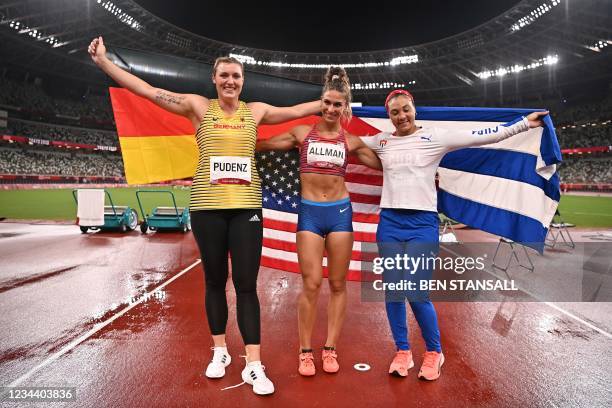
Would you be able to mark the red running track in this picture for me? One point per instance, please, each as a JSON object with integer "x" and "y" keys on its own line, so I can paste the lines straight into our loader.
{"x": 57, "y": 287}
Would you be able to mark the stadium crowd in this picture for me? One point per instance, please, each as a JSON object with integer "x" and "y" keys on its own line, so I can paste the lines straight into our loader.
{"x": 36, "y": 130}
{"x": 586, "y": 170}
{"x": 45, "y": 162}
{"x": 32, "y": 98}
{"x": 585, "y": 136}
{"x": 588, "y": 112}
{"x": 585, "y": 125}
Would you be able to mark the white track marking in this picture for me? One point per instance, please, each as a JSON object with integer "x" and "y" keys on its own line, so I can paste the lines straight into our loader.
{"x": 98, "y": 327}
{"x": 589, "y": 325}
{"x": 559, "y": 309}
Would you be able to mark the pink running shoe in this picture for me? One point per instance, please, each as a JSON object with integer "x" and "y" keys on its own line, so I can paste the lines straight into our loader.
{"x": 330, "y": 361}
{"x": 402, "y": 362}
{"x": 307, "y": 367}
{"x": 432, "y": 363}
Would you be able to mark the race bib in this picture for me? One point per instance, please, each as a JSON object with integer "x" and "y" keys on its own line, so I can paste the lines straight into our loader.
{"x": 325, "y": 154}
{"x": 230, "y": 170}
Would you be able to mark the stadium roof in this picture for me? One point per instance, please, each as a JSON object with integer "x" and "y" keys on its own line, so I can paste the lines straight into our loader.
{"x": 327, "y": 27}
{"x": 535, "y": 46}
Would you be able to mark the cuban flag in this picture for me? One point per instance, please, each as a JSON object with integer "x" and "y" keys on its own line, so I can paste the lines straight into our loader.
{"x": 510, "y": 188}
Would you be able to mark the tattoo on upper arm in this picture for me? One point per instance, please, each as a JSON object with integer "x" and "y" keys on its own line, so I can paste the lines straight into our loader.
{"x": 166, "y": 97}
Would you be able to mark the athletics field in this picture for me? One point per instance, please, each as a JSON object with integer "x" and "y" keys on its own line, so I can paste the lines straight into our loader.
{"x": 58, "y": 204}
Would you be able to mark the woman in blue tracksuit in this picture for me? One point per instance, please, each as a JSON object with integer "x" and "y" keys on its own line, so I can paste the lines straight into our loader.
{"x": 409, "y": 219}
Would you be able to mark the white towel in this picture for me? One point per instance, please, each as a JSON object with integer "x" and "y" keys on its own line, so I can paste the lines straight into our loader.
{"x": 90, "y": 212}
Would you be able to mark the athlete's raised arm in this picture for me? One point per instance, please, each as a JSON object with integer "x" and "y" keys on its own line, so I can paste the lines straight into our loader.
{"x": 285, "y": 141}
{"x": 270, "y": 115}
{"x": 188, "y": 105}
{"x": 454, "y": 140}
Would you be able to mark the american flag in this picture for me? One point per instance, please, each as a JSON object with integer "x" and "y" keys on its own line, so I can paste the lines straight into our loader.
{"x": 280, "y": 177}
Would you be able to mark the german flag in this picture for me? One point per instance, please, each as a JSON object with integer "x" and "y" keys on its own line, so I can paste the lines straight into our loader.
{"x": 156, "y": 145}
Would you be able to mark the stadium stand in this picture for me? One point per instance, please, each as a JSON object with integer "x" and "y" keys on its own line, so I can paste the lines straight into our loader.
{"x": 36, "y": 99}
{"x": 41, "y": 161}
{"x": 45, "y": 131}
{"x": 586, "y": 170}
{"x": 585, "y": 136}
{"x": 587, "y": 112}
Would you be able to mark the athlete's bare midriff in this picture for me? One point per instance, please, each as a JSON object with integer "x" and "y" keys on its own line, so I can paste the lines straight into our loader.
{"x": 322, "y": 187}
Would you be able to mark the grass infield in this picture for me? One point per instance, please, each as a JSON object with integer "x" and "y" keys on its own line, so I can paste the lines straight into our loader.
{"x": 58, "y": 204}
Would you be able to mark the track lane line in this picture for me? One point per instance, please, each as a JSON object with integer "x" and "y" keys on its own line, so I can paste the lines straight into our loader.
{"x": 550, "y": 304}
{"x": 98, "y": 327}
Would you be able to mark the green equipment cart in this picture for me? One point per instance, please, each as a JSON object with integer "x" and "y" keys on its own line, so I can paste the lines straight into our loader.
{"x": 164, "y": 218}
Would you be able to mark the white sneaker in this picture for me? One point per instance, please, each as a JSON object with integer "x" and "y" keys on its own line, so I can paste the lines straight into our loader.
{"x": 254, "y": 375}
{"x": 220, "y": 360}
